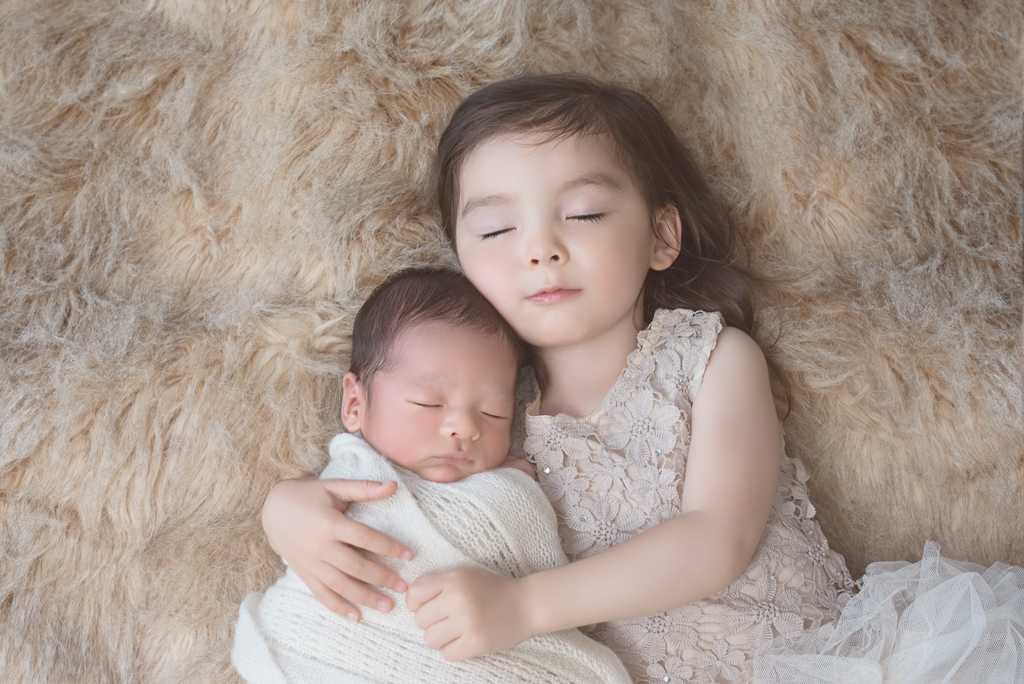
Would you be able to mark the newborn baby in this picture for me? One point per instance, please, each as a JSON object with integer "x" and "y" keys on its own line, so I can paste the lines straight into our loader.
{"x": 430, "y": 398}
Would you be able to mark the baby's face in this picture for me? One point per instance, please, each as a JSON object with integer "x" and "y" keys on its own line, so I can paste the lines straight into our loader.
{"x": 444, "y": 408}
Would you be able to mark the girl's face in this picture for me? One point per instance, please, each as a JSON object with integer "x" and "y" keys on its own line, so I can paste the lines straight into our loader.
{"x": 558, "y": 237}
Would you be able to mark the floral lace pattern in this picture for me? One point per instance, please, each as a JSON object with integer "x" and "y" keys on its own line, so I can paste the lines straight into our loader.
{"x": 619, "y": 471}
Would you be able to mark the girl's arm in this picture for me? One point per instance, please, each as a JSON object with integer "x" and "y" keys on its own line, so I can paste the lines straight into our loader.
{"x": 306, "y": 525}
{"x": 731, "y": 477}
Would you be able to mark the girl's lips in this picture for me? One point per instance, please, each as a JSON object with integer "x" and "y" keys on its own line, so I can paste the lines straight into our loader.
{"x": 552, "y": 295}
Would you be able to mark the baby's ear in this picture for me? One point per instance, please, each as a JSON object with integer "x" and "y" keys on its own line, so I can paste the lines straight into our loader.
{"x": 668, "y": 229}
{"x": 353, "y": 402}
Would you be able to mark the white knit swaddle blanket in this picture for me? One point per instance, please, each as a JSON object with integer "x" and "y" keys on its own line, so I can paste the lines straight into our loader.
{"x": 499, "y": 520}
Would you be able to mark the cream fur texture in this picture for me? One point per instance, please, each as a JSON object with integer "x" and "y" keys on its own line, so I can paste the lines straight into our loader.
{"x": 196, "y": 196}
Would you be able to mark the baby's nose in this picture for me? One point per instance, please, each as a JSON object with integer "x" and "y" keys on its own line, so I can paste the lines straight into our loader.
{"x": 462, "y": 425}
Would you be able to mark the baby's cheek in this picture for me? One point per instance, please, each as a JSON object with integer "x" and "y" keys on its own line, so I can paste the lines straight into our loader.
{"x": 405, "y": 441}
{"x": 399, "y": 454}
{"x": 492, "y": 450}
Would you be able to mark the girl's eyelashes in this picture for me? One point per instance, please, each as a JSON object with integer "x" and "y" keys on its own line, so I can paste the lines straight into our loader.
{"x": 593, "y": 217}
{"x": 494, "y": 415}
{"x": 424, "y": 404}
{"x": 494, "y": 233}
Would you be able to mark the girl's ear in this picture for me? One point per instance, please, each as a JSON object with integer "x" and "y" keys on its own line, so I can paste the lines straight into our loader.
{"x": 668, "y": 233}
{"x": 353, "y": 402}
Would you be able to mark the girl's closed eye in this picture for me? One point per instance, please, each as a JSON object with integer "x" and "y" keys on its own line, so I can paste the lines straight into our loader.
{"x": 495, "y": 233}
{"x": 595, "y": 216}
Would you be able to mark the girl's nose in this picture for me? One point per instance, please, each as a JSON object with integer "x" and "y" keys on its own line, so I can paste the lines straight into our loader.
{"x": 545, "y": 247}
{"x": 554, "y": 257}
{"x": 461, "y": 425}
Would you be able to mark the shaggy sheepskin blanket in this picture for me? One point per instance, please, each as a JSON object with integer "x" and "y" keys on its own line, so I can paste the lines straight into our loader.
{"x": 196, "y": 196}
{"x": 499, "y": 520}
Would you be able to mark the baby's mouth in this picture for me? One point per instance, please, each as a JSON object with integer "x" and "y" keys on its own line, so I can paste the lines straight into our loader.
{"x": 456, "y": 459}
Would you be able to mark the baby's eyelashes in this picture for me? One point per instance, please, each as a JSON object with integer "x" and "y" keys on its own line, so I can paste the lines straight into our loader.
{"x": 489, "y": 414}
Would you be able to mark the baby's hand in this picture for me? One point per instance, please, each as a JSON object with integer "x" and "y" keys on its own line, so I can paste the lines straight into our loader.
{"x": 468, "y": 612}
{"x": 520, "y": 464}
{"x": 305, "y": 523}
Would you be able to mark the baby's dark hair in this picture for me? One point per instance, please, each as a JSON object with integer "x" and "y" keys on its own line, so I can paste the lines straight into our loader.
{"x": 707, "y": 274}
{"x": 421, "y": 295}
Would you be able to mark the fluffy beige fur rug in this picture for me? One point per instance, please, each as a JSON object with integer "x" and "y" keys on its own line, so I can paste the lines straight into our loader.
{"x": 195, "y": 196}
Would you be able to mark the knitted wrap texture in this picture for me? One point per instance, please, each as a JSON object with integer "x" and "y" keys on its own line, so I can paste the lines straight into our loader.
{"x": 499, "y": 520}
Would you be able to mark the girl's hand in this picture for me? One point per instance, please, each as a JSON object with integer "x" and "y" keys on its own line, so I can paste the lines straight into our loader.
{"x": 469, "y": 612}
{"x": 520, "y": 464}
{"x": 305, "y": 523}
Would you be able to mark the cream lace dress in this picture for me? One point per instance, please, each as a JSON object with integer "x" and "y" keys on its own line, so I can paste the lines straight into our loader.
{"x": 619, "y": 471}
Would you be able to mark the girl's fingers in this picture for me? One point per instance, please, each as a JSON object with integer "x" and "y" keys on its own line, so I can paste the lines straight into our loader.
{"x": 364, "y": 537}
{"x": 440, "y": 635}
{"x": 351, "y": 590}
{"x": 330, "y": 598}
{"x": 420, "y": 592}
{"x": 358, "y": 490}
{"x": 353, "y": 563}
{"x": 306, "y": 525}
{"x": 429, "y": 614}
{"x": 455, "y": 651}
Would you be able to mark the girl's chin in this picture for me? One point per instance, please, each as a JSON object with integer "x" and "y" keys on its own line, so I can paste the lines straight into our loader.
{"x": 563, "y": 340}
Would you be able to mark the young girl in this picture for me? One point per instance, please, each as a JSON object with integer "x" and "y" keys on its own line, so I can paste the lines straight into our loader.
{"x": 574, "y": 209}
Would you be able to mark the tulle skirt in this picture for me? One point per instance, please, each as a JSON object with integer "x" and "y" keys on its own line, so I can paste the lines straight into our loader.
{"x": 933, "y": 621}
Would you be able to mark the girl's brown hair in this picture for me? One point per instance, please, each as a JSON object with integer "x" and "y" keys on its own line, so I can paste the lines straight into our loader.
{"x": 707, "y": 274}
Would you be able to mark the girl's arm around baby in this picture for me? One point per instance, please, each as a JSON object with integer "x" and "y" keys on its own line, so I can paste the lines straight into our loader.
{"x": 306, "y": 525}
{"x": 731, "y": 477}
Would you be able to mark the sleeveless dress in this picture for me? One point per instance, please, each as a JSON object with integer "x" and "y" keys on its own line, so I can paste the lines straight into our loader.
{"x": 619, "y": 472}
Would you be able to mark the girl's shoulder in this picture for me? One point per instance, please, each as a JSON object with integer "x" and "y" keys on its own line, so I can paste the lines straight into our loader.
{"x": 676, "y": 347}
{"x": 686, "y": 343}
{"x": 684, "y": 325}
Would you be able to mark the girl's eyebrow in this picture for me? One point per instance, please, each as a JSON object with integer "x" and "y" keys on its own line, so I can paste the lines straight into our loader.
{"x": 486, "y": 201}
{"x": 602, "y": 180}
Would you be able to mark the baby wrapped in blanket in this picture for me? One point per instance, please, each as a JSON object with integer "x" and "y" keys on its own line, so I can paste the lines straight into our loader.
{"x": 431, "y": 392}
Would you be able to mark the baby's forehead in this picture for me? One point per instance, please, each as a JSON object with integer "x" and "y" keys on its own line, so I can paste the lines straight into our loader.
{"x": 431, "y": 345}
{"x": 413, "y": 333}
